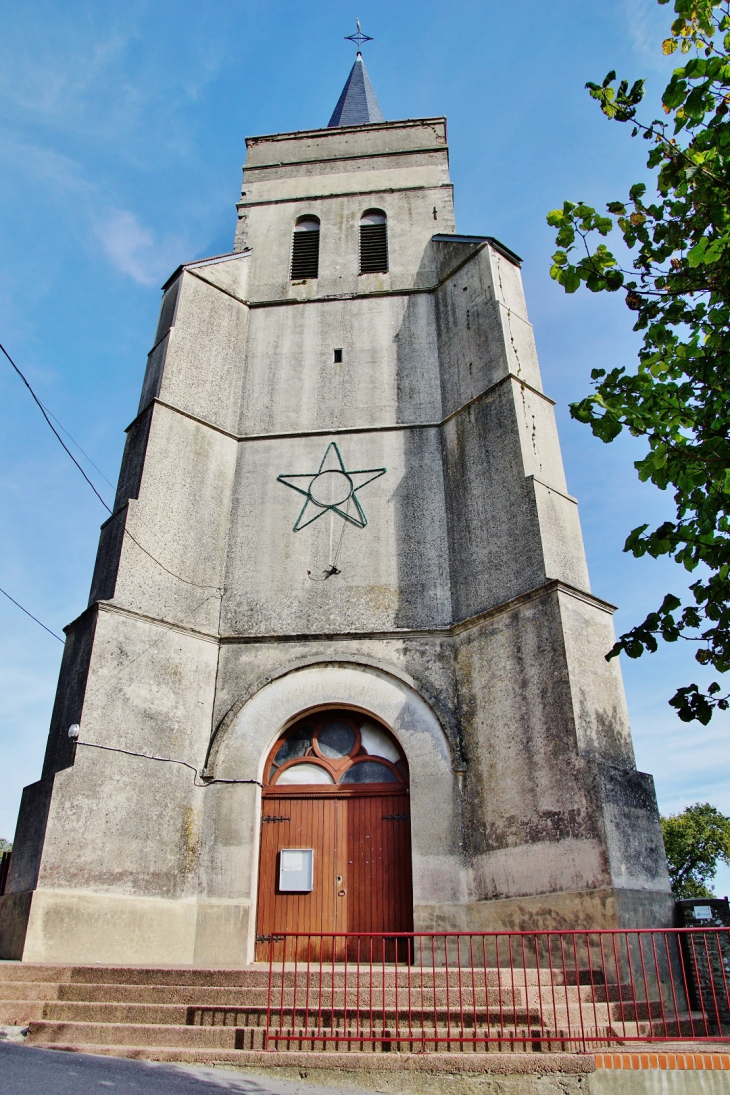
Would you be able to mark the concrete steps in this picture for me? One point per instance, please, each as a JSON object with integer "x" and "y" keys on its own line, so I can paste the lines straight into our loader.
{"x": 152, "y": 1012}
{"x": 258, "y": 975}
{"x": 375, "y": 1040}
{"x": 178, "y": 1014}
{"x": 48, "y": 1033}
{"x": 245, "y": 976}
{"x": 332, "y": 1066}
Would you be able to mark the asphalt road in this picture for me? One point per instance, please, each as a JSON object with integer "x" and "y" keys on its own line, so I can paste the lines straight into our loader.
{"x": 28, "y": 1071}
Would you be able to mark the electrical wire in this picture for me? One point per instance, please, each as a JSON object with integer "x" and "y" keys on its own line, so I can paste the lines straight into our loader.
{"x": 339, "y": 545}
{"x": 91, "y": 745}
{"x": 115, "y": 516}
{"x": 25, "y": 610}
{"x": 166, "y": 760}
{"x": 75, "y": 442}
{"x": 332, "y": 567}
{"x": 145, "y": 650}
{"x": 60, "y": 439}
{"x": 185, "y": 581}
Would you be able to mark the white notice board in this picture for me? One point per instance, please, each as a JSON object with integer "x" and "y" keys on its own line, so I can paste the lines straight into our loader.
{"x": 296, "y": 870}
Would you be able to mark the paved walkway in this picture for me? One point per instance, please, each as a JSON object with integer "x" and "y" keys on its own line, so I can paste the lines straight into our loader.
{"x": 27, "y": 1071}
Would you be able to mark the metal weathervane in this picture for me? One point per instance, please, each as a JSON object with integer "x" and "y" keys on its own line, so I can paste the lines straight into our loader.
{"x": 331, "y": 489}
{"x": 358, "y": 38}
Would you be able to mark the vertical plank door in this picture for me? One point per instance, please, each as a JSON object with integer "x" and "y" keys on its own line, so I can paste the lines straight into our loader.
{"x": 296, "y": 821}
{"x": 379, "y": 877}
{"x": 362, "y": 873}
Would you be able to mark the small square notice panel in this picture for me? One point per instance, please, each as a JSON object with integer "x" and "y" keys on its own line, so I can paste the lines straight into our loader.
{"x": 296, "y": 870}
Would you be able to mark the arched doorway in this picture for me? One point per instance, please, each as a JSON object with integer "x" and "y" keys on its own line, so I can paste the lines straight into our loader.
{"x": 335, "y": 834}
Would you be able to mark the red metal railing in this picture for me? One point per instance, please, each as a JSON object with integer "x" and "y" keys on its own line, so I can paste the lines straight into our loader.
{"x": 540, "y": 991}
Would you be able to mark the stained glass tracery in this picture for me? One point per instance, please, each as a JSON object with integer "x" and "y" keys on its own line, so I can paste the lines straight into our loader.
{"x": 336, "y": 747}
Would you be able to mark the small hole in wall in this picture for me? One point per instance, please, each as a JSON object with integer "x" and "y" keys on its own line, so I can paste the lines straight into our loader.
{"x": 337, "y": 357}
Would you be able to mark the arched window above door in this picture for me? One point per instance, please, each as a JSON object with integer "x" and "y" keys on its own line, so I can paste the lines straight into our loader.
{"x": 373, "y": 242}
{"x": 336, "y": 747}
{"x": 305, "y": 249}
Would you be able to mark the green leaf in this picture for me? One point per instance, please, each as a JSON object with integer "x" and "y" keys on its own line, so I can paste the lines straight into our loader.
{"x": 570, "y": 279}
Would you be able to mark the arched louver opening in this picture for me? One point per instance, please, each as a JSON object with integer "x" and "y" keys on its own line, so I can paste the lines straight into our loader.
{"x": 373, "y": 242}
{"x": 305, "y": 249}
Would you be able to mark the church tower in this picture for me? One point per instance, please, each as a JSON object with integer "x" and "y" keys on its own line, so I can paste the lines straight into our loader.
{"x": 341, "y": 667}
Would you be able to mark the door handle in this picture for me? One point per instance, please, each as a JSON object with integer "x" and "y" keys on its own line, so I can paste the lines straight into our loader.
{"x": 341, "y": 893}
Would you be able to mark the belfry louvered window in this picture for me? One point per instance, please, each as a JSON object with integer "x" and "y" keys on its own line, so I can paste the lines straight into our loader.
{"x": 373, "y": 242}
{"x": 305, "y": 249}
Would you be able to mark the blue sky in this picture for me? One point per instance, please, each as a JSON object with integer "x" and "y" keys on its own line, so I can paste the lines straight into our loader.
{"x": 121, "y": 140}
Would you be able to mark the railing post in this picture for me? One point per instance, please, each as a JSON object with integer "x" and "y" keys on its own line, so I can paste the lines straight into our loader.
{"x": 268, "y": 997}
{"x": 346, "y": 951}
{"x": 357, "y": 990}
{"x": 409, "y": 963}
{"x": 395, "y": 963}
{"x": 578, "y": 993}
{"x": 283, "y": 984}
{"x": 309, "y": 975}
{"x": 593, "y": 987}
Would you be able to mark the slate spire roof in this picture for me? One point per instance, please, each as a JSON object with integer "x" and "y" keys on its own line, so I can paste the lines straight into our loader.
{"x": 357, "y": 105}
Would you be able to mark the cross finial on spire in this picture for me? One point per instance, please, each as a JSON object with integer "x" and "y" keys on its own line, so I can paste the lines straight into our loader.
{"x": 357, "y": 105}
{"x": 358, "y": 38}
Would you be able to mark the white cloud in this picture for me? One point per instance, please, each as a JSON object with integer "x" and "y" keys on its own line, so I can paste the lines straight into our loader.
{"x": 132, "y": 248}
{"x": 37, "y": 162}
{"x": 648, "y": 25}
{"x": 73, "y": 82}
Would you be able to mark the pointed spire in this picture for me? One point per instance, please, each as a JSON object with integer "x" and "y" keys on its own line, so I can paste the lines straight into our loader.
{"x": 357, "y": 105}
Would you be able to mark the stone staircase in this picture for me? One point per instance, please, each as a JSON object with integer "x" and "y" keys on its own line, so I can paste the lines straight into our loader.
{"x": 220, "y": 1015}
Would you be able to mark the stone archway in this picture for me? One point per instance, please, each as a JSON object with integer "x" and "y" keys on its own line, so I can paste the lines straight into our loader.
{"x": 232, "y": 827}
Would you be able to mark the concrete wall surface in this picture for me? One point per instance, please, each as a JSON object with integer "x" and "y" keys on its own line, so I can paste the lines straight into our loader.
{"x": 519, "y": 1076}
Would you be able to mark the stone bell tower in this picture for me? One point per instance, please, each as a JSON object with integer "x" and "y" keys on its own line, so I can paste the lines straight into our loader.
{"x": 343, "y": 489}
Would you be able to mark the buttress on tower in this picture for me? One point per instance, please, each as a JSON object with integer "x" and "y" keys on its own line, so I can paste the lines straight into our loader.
{"x": 343, "y": 564}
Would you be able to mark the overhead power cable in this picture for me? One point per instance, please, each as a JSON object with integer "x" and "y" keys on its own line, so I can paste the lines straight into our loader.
{"x": 75, "y": 442}
{"x": 164, "y": 760}
{"x": 116, "y": 516}
{"x": 25, "y": 610}
{"x": 62, "y": 442}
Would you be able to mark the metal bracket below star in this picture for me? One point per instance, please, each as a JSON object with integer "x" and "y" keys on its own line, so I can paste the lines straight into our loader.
{"x": 331, "y": 489}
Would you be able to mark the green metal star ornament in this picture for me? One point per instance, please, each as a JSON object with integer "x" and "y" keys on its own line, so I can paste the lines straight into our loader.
{"x": 332, "y": 488}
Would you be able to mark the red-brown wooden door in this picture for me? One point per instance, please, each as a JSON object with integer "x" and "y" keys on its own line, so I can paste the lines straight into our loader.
{"x": 362, "y": 869}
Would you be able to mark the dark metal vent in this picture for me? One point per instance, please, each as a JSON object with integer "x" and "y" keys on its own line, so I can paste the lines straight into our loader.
{"x": 305, "y": 255}
{"x": 373, "y": 248}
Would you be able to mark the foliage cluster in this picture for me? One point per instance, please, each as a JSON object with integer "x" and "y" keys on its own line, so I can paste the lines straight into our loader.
{"x": 695, "y": 840}
{"x": 678, "y": 396}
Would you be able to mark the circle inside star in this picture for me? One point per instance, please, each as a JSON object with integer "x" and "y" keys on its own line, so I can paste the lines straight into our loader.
{"x": 330, "y": 488}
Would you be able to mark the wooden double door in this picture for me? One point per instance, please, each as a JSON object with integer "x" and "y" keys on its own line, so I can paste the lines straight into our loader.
{"x": 361, "y": 879}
